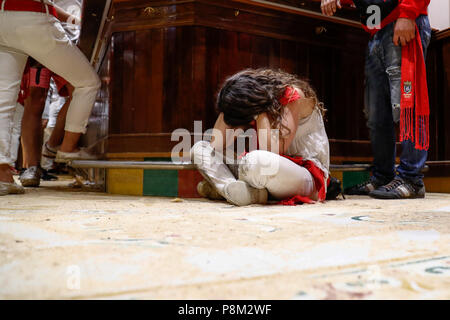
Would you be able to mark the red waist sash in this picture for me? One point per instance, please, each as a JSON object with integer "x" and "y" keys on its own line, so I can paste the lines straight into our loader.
{"x": 28, "y": 5}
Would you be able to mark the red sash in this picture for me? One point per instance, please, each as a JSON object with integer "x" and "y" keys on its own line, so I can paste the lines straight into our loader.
{"x": 28, "y": 5}
{"x": 414, "y": 104}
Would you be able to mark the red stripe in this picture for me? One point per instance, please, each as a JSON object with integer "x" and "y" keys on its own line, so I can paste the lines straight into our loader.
{"x": 28, "y": 5}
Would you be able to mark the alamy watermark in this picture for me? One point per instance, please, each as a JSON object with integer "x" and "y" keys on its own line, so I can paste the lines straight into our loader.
{"x": 374, "y": 19}
{"x": 229, "y": 148}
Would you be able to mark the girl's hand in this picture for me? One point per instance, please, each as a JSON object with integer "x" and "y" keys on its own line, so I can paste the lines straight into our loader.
{"x": 219, "y": 138}
{"x": 267, "y": 136}
{"x": 224, "y": 135}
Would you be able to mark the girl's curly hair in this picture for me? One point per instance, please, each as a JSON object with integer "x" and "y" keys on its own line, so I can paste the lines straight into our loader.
{"x": 251, "y": 92}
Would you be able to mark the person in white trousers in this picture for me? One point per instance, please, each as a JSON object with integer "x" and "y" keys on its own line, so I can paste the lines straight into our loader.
{"x": 40, "y": 35}
{"x": 288, "y": 120}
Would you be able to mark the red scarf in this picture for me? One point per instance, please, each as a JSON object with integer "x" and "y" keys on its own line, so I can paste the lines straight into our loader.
{"x": 414, "y": 104}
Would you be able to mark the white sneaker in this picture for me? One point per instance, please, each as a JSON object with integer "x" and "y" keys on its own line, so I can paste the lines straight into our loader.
{"x": 206, "y": 190}
{"x": 241, "y": 193}
{"x": 82, "y": 154}
{"x": 10, "y": 188}
{"x": 49, "y": 152}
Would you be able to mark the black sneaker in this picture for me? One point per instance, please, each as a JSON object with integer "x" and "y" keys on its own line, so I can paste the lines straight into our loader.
{"x": 31, "y": 177}
{"x": 334, "y": 189}
{"x": 364, "y": 188}
{"x": 399, "y": 189}
{"x": 47, "y": 176}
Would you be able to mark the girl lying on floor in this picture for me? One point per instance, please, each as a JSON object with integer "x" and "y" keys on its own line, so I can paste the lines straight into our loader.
{"x": 291, "y": 160}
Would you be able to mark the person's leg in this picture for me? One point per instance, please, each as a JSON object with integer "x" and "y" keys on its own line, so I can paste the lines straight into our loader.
{"x": 15, "y": 140}
{"x": 211, "y": 167}
{"x": 43, "y": 38}
{"x": 57, "y": 135}
{"x": 381, "y": 69}
{"x": 12, "y": 64}
{"x": 31, "y": 139}
{"x": 54, "y": 133}
{"x": 32, "y": 127}
{"x": 408, "y": 183}
{"x": 280, "y": 176}
{"x": 210, "y": 164}
{"x": 413, "y": 160}
{"x": 378, "y": 112}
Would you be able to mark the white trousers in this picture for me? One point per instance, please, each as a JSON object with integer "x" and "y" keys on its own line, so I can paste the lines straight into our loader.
{"x": 16, "y": 131}
{"x": 54, "y": 104}
{"x": 42, "y": 37}
{"x": 261, "y": 169}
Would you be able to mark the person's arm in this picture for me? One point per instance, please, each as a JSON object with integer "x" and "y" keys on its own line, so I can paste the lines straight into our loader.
{"x": 63, "y": 16}
{"x": 329, "y": 7}
{"x": 404, "y": 31}
{"x": 405, "y": 26}
{"x": 293, "y": 112}
{"x": 219, "y": 135}
{"x": 411, "y": 9}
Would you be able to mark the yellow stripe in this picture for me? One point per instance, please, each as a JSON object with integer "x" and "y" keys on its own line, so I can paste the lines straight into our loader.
{"x": 125, "y": 181}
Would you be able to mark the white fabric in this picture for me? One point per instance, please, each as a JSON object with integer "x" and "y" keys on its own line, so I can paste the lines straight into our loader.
{"x": 15, "y": 139}
{"x": 42, "y": 37}
{"x": 72, "y": 7}
{"x": 280, "y": 176}
{"x": 46, "y": 163}
{"x": 311, "y": 142}
{"x": 53, "y": 105}
{"x": 54, "y": 101}
{"x": 211, "y": 166}
{"x": 263, "y": 169}
{"x": 260, "y": 169}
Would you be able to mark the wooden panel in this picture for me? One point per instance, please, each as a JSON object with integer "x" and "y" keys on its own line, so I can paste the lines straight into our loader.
{"x": 92, "y": 16}
{"x": 168, "y": 64}
{"x": 438, "y": 76}
{"x": 142, "y": 72}
{"x": 213, "y": 79}
{"x": 97, "y": 130}
{"x": 116, "y": 83}
{"x": 196, "y": 60}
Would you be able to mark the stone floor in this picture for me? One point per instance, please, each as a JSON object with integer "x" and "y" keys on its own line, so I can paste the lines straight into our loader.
{"x": 62, "y": 243}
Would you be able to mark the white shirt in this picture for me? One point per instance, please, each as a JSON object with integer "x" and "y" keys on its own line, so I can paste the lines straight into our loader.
{"x": 311, "y": 142}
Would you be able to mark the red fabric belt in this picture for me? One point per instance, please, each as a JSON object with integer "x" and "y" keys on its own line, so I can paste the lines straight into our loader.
{"x": 27, "y": 5}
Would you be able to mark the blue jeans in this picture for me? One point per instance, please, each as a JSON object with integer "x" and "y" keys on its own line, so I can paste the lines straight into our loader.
{"x": 382, "y": 106}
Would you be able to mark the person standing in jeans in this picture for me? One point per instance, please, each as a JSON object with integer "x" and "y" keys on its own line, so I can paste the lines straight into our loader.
{"x": 395, "y": 91}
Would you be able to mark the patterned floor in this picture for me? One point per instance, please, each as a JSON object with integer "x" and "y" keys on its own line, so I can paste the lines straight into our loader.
{"x": 57, "y": 242}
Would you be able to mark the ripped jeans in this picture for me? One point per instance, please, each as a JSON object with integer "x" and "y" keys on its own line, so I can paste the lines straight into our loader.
{"x": 382, "y": 106}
